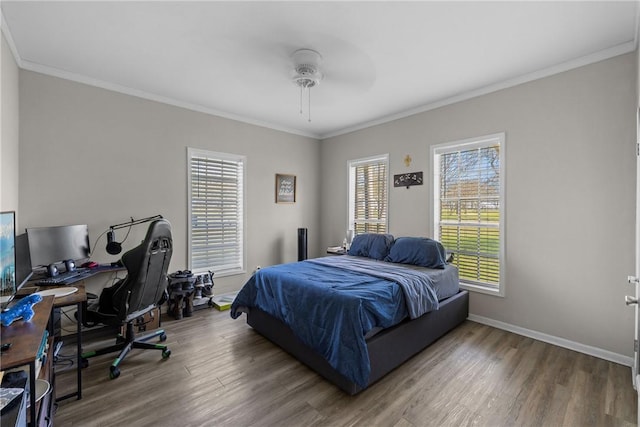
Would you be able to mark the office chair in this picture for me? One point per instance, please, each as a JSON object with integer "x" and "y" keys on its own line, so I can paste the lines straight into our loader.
{"x": 138, "y": 293}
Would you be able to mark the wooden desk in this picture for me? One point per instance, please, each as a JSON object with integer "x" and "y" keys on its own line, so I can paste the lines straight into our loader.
{"x": 77, "y": 298}
{"x": 26, "y": 339}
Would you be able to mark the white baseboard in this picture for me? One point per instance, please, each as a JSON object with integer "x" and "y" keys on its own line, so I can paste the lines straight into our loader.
{"x": 561, "y": 342}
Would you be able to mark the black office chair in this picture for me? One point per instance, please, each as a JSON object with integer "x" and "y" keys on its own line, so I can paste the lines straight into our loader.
{"x": 138, "y": 293}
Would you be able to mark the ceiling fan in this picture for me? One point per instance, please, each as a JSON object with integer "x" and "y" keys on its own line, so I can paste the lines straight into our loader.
{"x": 346, "y": 70}
{"x": 306, "y": 74}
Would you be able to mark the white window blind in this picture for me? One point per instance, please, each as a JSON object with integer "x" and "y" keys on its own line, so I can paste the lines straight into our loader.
{"x": 368, "y": 194}
{"x": 469, "y": 202}
{"x": 216, "y": 212}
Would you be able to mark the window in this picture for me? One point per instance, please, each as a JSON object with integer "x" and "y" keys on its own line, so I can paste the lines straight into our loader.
{"x": 469, "y": 208}
{"x": 216, "y": 212}
{"x": 368, "y": 190}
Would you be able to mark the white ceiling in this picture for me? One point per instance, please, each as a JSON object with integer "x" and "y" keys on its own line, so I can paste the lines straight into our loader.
{"x": 381, "y": 60}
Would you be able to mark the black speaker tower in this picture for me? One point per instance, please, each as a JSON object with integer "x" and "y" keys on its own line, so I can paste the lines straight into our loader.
{"x": 302, "y": 244}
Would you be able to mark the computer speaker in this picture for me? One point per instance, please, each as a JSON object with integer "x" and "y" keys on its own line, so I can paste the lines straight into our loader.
{"x": 52, "y": 270}
{"x": 70, "y": 265}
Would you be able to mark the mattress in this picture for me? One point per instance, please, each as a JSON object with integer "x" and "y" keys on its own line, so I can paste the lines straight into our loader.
{"x": 333, "y": 304}
{"x": 445, "y": 282}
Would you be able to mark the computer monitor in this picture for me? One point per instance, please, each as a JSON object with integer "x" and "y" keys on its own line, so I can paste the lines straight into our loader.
{"x": 51, "y": 245}
{"x": 15, "y": 267}
{"x": 7, "y": 257}
{"x": 23, "y": 260}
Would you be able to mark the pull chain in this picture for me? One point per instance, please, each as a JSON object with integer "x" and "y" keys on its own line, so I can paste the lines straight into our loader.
{"x": 309, "y": 110}
{"x": 308, "y": 88}
{"x": 300, "y": 99}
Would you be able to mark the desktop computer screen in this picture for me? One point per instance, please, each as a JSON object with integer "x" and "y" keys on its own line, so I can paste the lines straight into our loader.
{"x": 15, "y": 263}
{"x": 51, "y": 245}
{"x": 23, "y": 260}
{"x": 7, "y": 256}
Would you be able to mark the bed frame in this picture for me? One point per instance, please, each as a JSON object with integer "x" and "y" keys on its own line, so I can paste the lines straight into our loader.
{"x": 387, "y": 349}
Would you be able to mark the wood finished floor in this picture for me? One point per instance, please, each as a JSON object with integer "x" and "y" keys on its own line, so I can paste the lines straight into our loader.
{"x": 222, "y": 373}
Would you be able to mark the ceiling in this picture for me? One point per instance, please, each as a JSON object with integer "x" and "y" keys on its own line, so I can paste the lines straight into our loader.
{"x": 381, "y": 60}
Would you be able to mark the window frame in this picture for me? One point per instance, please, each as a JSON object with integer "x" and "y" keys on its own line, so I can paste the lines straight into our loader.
{"x": 351, "y": 168}
{"x": 463, "y": 145}
{"x": 195, "y": 152}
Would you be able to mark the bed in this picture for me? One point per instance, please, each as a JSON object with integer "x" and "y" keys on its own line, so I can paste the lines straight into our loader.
{"x": 354, "y": 318}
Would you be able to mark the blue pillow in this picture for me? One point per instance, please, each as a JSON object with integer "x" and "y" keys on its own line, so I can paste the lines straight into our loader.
{"x": 371, "y": 245}
{"x": 420, "y": 251}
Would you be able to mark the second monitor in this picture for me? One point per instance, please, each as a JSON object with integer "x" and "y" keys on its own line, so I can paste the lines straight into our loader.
{"x": 51, "y": 245}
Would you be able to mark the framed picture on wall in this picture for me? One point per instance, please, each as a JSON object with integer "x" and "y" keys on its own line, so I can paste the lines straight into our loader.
{"x": 285, "y": 188}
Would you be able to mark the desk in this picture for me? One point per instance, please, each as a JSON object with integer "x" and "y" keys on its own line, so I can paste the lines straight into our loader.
{"x": 77, "y": 298}
{"x": 84, "y": 273}
{"x": 25, "y": 339}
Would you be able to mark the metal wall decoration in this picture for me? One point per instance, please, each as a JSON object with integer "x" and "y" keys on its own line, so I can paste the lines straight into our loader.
{"x": 407, "y": 179}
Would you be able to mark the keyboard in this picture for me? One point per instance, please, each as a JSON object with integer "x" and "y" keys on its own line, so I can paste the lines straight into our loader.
{"x": 64, "y": 278}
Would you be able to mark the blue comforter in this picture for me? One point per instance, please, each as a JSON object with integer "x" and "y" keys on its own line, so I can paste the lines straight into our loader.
{"x": 331, "y": 303}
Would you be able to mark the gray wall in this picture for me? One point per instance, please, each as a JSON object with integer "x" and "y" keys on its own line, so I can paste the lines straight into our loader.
{"x": 89, "y": 155}
{"x": 570, "y": 195}
{"x": 94, "y": 156}
{"x": 9, "y": 123}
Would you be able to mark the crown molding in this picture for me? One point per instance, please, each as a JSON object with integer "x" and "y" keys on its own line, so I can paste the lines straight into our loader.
{"x": 602, "y": 55}
{"x": 63, "y": 74}
{"x": 620, "y": 49}
{"x": 4, "y": 27}
{"x": 79, "y": 78}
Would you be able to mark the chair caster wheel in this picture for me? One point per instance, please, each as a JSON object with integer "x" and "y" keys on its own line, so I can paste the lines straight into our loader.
{"x": 114, "y": 372}
{"x": 163, "y": 337}
{"x": 166, "y": 353}
{"x": 84, "y": 363}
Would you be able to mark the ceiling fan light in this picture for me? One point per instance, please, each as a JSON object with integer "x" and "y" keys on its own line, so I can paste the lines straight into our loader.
{"x": 306, "y": 81}
{"x": 306, "y": 73}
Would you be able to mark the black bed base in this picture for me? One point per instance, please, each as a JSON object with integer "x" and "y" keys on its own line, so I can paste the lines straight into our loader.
{"x": 387, "y": 350}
